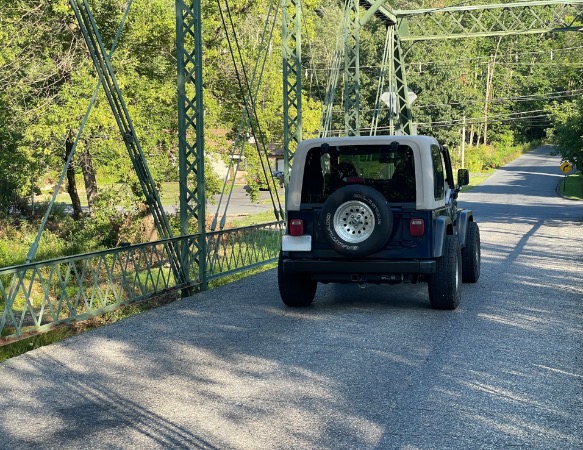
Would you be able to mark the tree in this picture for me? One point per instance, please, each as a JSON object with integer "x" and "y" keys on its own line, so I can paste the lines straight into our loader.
{"x": 567, "y": 130}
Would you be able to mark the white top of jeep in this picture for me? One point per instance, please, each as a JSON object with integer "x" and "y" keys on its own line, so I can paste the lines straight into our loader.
{"x": 420, "y": 145}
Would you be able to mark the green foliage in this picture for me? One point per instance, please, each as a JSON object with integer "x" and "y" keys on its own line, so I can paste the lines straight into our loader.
{"x": 16, "y": 238}
{"x": 572, "y": 186}
{"x": 46, "y": 80}
{"x": 567, "y": 130}
{"x": 483, "y": 158}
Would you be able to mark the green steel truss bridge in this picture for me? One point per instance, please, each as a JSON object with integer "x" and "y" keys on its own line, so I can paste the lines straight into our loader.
{"x": 40, "y": 295}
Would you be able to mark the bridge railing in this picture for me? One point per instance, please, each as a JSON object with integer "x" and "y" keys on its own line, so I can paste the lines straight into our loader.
{"x": 36, "y": 297}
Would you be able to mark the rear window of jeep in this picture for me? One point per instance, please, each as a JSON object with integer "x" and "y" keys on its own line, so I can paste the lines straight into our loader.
{"x": 388, "y": 169}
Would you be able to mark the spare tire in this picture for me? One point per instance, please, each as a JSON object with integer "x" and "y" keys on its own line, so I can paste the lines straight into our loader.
{"x": 356, "y": 220}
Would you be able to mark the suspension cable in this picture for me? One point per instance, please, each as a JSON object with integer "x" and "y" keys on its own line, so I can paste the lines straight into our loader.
{"x": 245, "y": 120}
{"x": 250, "y": 109}
{"x": 34, "y": 247}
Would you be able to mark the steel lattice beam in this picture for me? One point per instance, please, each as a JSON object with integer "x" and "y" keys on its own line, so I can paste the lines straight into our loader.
{"x": 292, "y": 80}
{"x": 190, "y": 129}
{"x": 490, "y": 20}
{"x": 352, "y": 70}
{"x": 120, "y": 112}
{"x": 403, "y": 101}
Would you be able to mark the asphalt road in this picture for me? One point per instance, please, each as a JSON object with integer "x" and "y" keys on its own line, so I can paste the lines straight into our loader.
{"x": 240, "y": 204}
{"x": 371, "y": 368}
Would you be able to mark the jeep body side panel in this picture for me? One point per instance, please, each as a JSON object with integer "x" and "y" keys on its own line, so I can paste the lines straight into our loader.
{"x": 463, "y": 218}
{"x": 440, "y": 225}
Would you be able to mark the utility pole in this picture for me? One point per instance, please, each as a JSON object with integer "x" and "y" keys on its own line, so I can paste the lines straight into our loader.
{"x": 487, "y": 101}
{"x": 464, "y": 142}
{"x": 489, "y": 80}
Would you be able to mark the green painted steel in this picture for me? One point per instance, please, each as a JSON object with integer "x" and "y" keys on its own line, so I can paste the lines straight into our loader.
{"x": 352, "y": 69}
{"x": 242, "y": 135}
{"x": 292, "y": 80}
{"x": 39, "y": 296}
{"x": 377, "y": 8}
{"x": 238, "y": 249}
{"x": 385, "y": 85}
{"x": 500, "y": 19}
{"x": 400, "y": 79}
{"x": 34, "y": 247}
{"x": 191, "y": 130}
{"x": 114, "y": 96}
{"x": 332, "y": 84}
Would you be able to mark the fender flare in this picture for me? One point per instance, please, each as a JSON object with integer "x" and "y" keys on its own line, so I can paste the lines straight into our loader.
{"x": 464, "y": 217}
{"x": 440, "y": 225}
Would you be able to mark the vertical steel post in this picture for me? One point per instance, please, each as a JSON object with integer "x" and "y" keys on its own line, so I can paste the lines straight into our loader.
{"x": 292, "y": 80}
{"x": 403, "y": 102}
{"x": 104, "y": 68}
{"x": 392, "y": 83}
{"x": 352, "y": 69}
{"x": 190, "y": 133}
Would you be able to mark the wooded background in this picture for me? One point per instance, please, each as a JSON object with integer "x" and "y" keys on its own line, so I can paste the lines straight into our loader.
{"x": 507, "y": 90}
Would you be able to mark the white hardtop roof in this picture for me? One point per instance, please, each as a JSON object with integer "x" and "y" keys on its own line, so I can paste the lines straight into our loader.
{"x": 420, "y": 145}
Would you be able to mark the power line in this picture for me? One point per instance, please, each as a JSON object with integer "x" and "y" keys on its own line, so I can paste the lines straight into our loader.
{"x": 559, "y": 51}
{"x": 536, "y": 121}
{"x": 522, "y": 98}
{"x": 556, "y": 53}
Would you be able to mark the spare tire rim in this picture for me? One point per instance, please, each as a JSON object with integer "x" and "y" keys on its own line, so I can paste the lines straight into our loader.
{"x": 354, "y": 221}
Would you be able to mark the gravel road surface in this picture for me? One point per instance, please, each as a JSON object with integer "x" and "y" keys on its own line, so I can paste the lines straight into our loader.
{"x": 371, "y": 368}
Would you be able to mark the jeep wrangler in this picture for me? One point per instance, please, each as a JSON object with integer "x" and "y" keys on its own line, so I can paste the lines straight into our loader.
{"x": 376, "y": 209}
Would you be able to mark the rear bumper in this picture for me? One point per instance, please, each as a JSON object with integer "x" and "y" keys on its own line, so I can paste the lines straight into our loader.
{"x": 380, "y": 267}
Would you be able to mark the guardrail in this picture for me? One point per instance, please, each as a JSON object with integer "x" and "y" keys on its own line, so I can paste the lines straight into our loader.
{"x": 36, "y": 297}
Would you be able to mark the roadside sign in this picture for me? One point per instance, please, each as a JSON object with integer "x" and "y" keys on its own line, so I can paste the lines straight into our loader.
{"x": 566, "y": 167}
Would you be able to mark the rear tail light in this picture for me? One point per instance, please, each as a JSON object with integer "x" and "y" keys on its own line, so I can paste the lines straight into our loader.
{"x": 296, "y": 227}
{"x": 417, "y": 227}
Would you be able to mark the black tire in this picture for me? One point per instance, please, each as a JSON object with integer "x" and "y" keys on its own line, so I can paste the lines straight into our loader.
{"x": 356, "y": 220}
{"x": 471, "y": 255}
{"x": 296, "y": 289}
{"x": 445, "y": 283}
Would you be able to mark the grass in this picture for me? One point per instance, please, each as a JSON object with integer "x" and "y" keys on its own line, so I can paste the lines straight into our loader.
{"x": 255, "y": 219}
{"x": 170, "y": 193}
{"x": 476, "y": 179}
{"x": 572, "y": 186}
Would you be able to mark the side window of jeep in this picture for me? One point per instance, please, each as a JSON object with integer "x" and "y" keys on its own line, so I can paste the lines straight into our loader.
{"x": 313, "y": 182}
{"x": 438, "y": 173}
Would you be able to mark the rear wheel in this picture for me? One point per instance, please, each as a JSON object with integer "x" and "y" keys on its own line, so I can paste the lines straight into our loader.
{"x": 296, "y": 289}
{"x": 471, "y": 255}
{"x": 445, "y": 283}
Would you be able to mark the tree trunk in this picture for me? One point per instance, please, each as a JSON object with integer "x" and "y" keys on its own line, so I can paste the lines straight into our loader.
{"x": 88, "y": 176}
{"x": 478, "y": 134}
{"x": 489, "y": 78}
{"x": 72, "y": 183}
{"x": 489, "y": 88}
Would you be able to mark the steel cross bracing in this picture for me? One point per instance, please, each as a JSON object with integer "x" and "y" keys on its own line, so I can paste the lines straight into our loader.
{"x": 410, "y": 25}
{"x": 190, "y": 130}
{"x": 292, "y": 79}
{"x": 490, "y": 20}
{"x": 352, "y": 69}
{"x": 106, "y": 74}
